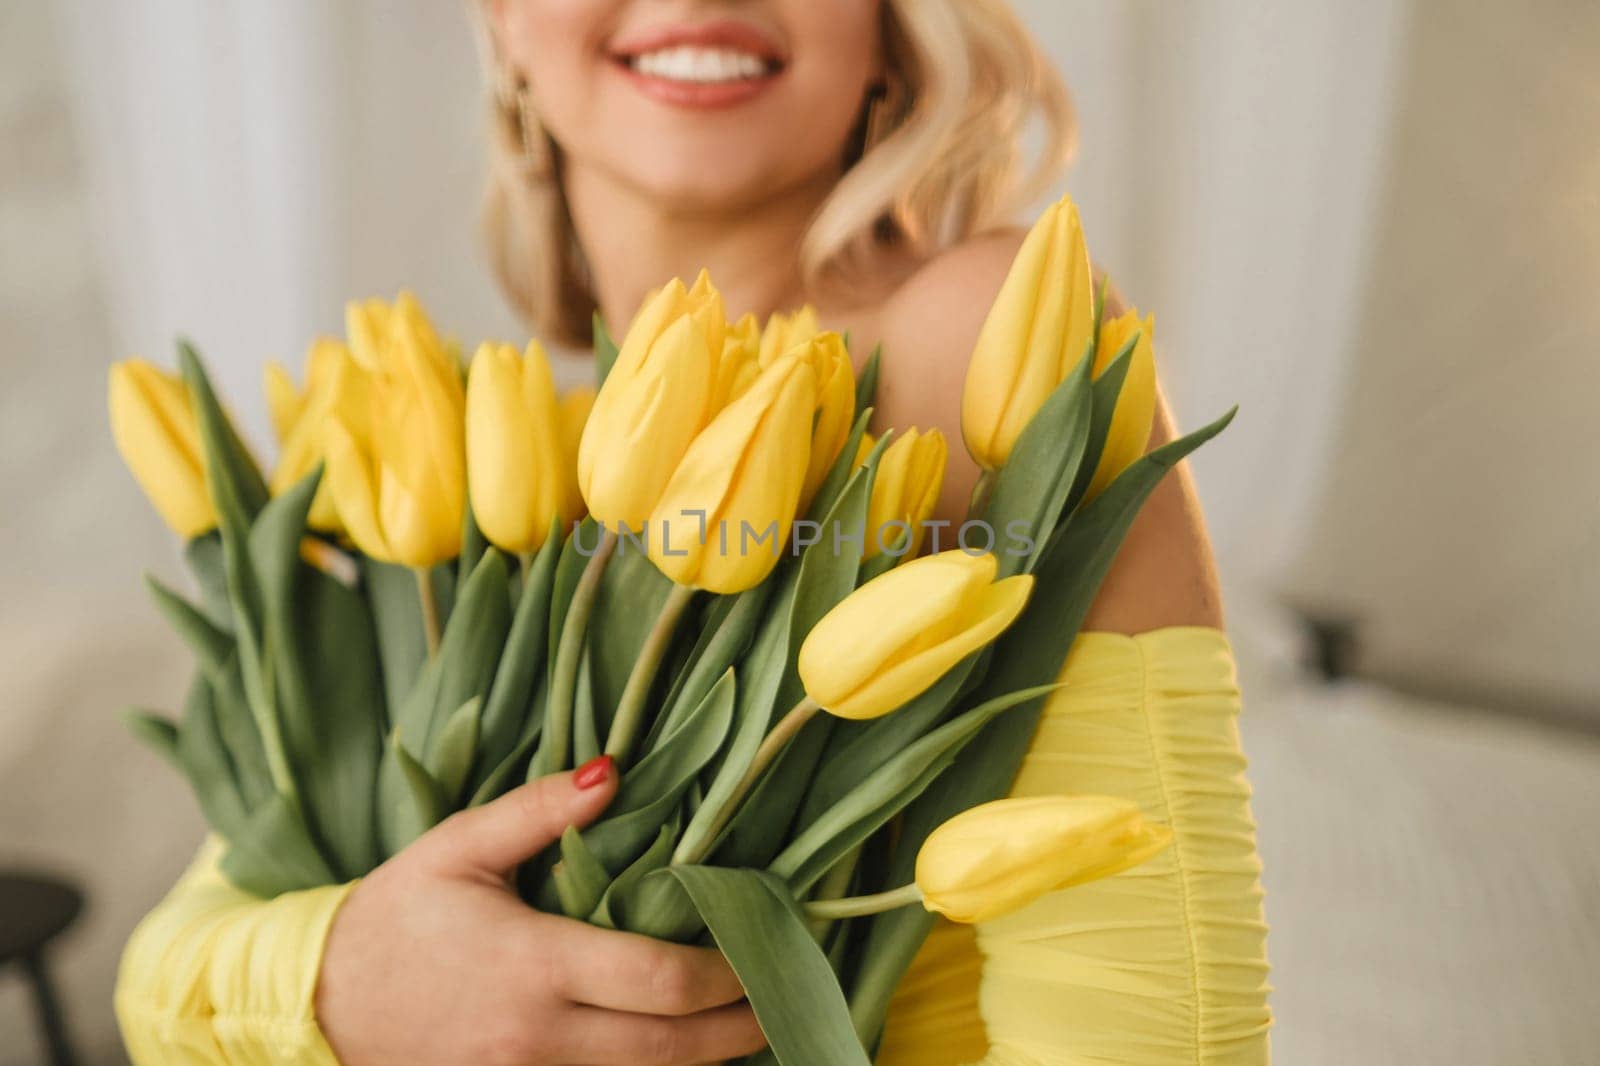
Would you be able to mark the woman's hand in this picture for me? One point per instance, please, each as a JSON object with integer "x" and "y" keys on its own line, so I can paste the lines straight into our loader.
{"x": 433, "y": 959}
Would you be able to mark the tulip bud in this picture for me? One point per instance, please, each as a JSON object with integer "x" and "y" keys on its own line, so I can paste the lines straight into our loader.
{"x": 785, "y": 331}
{"x": 892, "y": 638}
{"x": 657, "y": 398}
{"x": 998, "y": 857}
{"x": 1129, "y": 433}
{"x": 1038, "y": 329}
{"x": 401, "y": 490}
{"x": 153, "y": 424}
{"x": 905, "y": 491}
{"x": 724, "y": 518}
{"x": 333, "y": 383}
{"x": 575, "y": 406}
{"x": 519, "y": 477}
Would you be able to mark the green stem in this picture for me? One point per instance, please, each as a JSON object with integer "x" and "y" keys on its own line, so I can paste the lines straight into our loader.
{"x": 834, "y": 884}
{"x": 553, "y": 747}
{"x": 771, "y": 747}
{"x": 861, "y": 906}
{"x": 631, "y": 706}
{"x": 979, "y": 501}
{"x": 430, "y": 608}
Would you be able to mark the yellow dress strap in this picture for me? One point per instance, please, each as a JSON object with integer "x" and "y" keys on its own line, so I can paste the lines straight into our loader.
{"x": 1159, "y": 966}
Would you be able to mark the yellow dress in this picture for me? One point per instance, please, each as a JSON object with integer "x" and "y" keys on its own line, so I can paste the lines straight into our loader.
{"x": 1163, "y": 965}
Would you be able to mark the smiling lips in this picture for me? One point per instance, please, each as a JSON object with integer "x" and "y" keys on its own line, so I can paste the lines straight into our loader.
{"x": 707, "y": 66}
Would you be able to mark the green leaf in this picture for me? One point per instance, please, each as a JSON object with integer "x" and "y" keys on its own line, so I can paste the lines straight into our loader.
{"x": 848, "y": 823}
{"x": 763, "y": 669}
{"x": 1103, "y": 395}
{"x": 650, "y": 792}
{"x": 320, "y": 647}
{"x": 840, "y": 473}
{"x": 629, "y": 598}
{"x": 725, "y": 635}
{"x": 580, "y": 880}
{"x": 391, "y": 594}
{"x": 510, "y": 771}
{"x": 1031, "y": 490}
{"x": 511, "y": 695}
{"x": 273, "y": 852}
{"x": 451, "y": 758}
{"x": 156, "y": 732}
{"x": 473, "y": 545}
{"x": 469, "y": 653}
{"x": 416, "y": 805}
{"x": 232, "y": 476}
{"x": 605, "y": 351}
{"x": 206, "y": 762}
{"x": 857, "y": 749}
{"x": 867, "y": 382}
{"x": 204, "y": 556}
{"x": 585, "y": 728}
{"x": 211, "y": 644}
{"x": 613, "y": 910}
{"x": 791, "y": 987}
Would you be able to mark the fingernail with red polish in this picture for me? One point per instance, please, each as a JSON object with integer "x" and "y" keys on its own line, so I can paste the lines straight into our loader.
{"x": 593, "y": 772}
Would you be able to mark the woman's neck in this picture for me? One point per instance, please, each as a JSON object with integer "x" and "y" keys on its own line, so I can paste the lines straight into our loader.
{"x": 633, "y": 244}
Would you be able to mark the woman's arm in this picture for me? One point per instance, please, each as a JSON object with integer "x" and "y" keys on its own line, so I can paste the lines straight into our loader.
{"x": 430, "y": 959}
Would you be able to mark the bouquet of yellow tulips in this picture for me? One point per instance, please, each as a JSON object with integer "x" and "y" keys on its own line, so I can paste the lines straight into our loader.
{"x": 457, "y": 578}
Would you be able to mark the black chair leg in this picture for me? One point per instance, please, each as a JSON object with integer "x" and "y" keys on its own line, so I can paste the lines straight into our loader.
{"x": 51, "y": 1021}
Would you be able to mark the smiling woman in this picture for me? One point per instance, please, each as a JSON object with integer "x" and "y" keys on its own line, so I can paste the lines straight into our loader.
{"x": 862, "y": 157}
{"x": 870, "y": 135}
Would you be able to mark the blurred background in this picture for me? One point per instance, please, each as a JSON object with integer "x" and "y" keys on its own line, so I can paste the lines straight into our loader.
{"x": 1375, "y": 224}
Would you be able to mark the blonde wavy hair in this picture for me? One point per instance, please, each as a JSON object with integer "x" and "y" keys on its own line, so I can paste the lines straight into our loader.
{"x": 937, "y": 158}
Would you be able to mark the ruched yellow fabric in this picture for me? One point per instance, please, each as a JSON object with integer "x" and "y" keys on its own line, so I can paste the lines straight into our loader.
{"x": 1162, "y": 965}
{"x": 215, "y": 975}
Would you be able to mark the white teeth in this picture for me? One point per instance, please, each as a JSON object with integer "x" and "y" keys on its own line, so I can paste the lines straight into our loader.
{"x": 700, "y": 65}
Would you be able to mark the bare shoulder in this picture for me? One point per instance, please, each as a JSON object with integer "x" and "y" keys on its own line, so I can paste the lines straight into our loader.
{"x": 1165, "y": 574}
{"x": 928, "y": 327}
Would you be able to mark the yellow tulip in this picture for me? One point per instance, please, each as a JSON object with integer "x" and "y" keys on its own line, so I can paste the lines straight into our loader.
{"x": 998, "y": 857}
{"x": 657, "y": 398}
{"x": 723, "y": 520}
{"x": 893, "y": 637}
{"x": 376, "y": 329}
{"x": 575, "y": 405}
{"x": 905, "y": 491}
{"x": 1037, "y": 331}
{"x": 836, "y": 404}
{"x": 784, "y": 331}
{"x": 400, "y": 486}
{"x": 1129, "y": 433}
{"x": 518, "y": 477}
{"x": 153, "y": 424}
{"x": 333, "y": 383}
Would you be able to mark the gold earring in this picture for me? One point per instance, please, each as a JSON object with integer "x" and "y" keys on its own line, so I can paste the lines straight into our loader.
{"x": 882, "y": 113}
{"x": 537, "y": 152}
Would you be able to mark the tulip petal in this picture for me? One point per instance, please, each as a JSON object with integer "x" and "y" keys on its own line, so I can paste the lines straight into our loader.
{"x": 1128, "y": 437}
{"x": 352, "y": 483}
{"x": 153, "y": 424}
